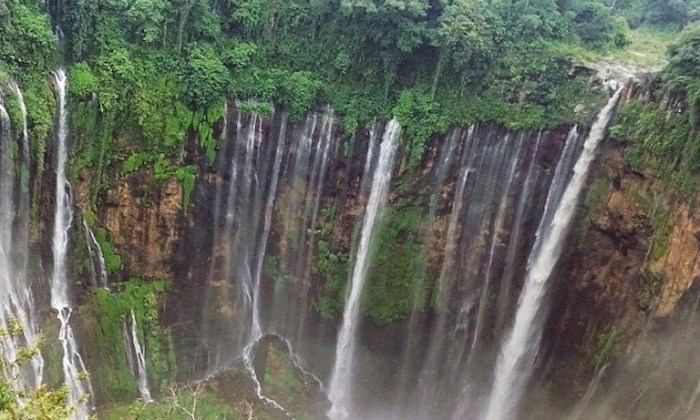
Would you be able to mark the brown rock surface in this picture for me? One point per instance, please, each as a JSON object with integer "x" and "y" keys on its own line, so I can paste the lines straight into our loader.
{"x": 680, "y": 268}
{"x": 145, "y": 228}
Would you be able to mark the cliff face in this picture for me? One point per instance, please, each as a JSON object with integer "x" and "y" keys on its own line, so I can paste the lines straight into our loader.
{"x": 637, "y": 250}
{"x": 627, "y": 293}
{"x": 633, "y": 259}
{"x": 147, "y": 222}
{"x": 679, "y": 269}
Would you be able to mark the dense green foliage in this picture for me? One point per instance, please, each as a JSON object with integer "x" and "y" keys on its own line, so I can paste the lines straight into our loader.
{"x": 395, "y": 271}
{"x": 27, "y": 43}
{"x": 361, "y": 56}
{"x": 155, "y": 71}
{"x": 683, "y": 78}
{"x": 148, "y": 80}
{"x": 158, "y": 72}
{"x": 333, "y": 267}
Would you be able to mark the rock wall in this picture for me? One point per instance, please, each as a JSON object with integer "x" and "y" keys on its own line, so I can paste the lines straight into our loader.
{"x": 633, "y": 260}
{"x": 146, "y": 222}
{"x": 632, "y": 272}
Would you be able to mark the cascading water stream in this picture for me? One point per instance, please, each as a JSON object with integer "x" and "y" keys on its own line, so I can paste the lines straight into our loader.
{"x": 317, "y": 181}
{"x": 140, "y": 365}
{"x": 239, "y": 235}
{"x": 369, "y": 161}
{"x": 302, "y": 178}
{"x": 299, "y": 187}
{"x": 247, "y": 220}
{"x": 497, "y": 227}
{"x": 516, "y": 360}
{"x": 256, "y": 332}
{"x": 22, "y": 240}
{"x": 21, "y": 246}
{"x": 99, "y": 276}
{"x": 504, "y": 293}
{"x": 447, "y": 156}
{"x": 588, "y": 396}
{"x": 135, "y": 351}
{"x": 340, "y": 389}
{"x": 480, "y": 226}
{"x": 309, "y": 182}
{"x": 450, "y": 249}
{"x": 262, "y": 246}
{"x": 16, "y": 300}
{"x": 73, "y": 367}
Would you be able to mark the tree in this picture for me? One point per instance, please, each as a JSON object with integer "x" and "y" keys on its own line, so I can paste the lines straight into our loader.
{"x": 26, "y": 40}
{"x": 683, "y": 72}
{"x": 467, "y": 37}
{"x": 206, "y": 78}
{"x": 16, "y": 404}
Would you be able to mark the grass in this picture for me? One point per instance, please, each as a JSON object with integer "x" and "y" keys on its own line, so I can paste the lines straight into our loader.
{"x": 648, "y": 47}
{"x": 645, "y": 53}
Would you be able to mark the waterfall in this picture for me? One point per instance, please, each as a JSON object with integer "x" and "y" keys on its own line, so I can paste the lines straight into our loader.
{"x": 524, "y": 202}
{"x": 21, "y": 245}
{"x": 262, "y": 246}
{"x": 73, "y": 367}
{"x": 318, "y": 175}
{"x": 448, "y": 155}
{"x": 135, "y": 352}
{"x": 516, "y": 359}
{"x": 140, "y": 362}
{"x": 136, "y": 357}
{"x": 99, "y": 276}
{"x": 493, "y": 166}
{"x": 295, "y": 221}
{"x": 256, "y": 331}
{"x": 496, "y": 231}
{"x": 23, "y": 208}
{"x": 340, "y": 391}
{"x": 16, "y": 300}
{"x": 232, "y": 286}
{"x": 310, "y": 188}
{"x": 588, "y": 396}
{"x": 425, "y": 386}
{"x": 369, "y": 162}
{"x": 235, "y": 277}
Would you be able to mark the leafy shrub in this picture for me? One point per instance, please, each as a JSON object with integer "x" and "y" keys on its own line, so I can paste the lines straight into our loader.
{"x": 420, "y": 119}
{"x": 82, "y": 81}
{"x": 206, "y": 78}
